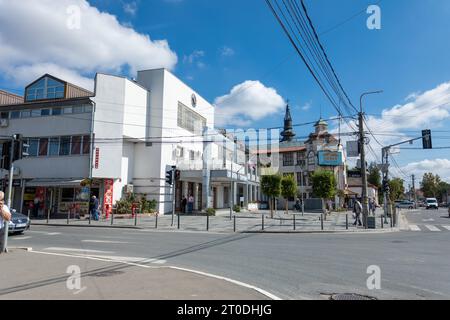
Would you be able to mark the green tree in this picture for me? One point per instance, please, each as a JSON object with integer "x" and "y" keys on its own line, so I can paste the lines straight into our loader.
{"x": 374, "y": 178}
{"x": 271, "y": 187}
{"x": 443, "y": 191}
{"x": 397, "y": 188}
{"x": 430, "y": 185}
{"x": 324, "y": 186}
{"x": 288, "y": 189}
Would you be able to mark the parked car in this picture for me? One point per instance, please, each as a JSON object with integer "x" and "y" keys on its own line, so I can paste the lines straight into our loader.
{"x": 432, "y": 203}
{"x": 405, "y": 204}
{"x": 19, "y": 223}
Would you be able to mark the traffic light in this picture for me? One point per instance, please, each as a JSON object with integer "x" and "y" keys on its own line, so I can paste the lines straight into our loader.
{"x": 5, "y": 154}
{"x": 177, "y": 175}
{"x": 169, "y": 177}
{"x": 20, "y": 147}
{"x": 426, "y": 138}
{"x": 386, "y": 187}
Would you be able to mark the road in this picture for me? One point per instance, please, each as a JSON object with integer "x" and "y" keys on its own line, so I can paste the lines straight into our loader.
{"x": 413, "y": 264}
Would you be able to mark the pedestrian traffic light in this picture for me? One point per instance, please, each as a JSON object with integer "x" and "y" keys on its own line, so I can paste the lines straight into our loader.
{"x": 385, "y": 185}
{"x": 426, "y": 137}
{"x": 169, "y": 177}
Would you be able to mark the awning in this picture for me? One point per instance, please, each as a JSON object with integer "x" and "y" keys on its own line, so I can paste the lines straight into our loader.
{"x": 53, "y": 183}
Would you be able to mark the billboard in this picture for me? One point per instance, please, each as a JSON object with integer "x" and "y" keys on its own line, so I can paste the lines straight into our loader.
{"x": 330, "y": 158}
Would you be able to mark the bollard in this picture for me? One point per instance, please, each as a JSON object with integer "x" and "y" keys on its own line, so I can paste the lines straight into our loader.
{"x": 135, "y": 217}
{"x": 178, "y": 221}
{"x": 207, "y": 222}
{"x": 294, "y": 222}
{"x": 321, "y": 222}
{"x": 234, "y": 223}
{"x": 112, "y": 217}
{"x": 346, "y": 221}
{"x": 382, "y": 224}
{"x": 48, "y": 216}
{"x": 29, "y": 213}
{"x": 68, "y": 216}
{"x": 262, "y": 222}
{"x": 156, "y": 221}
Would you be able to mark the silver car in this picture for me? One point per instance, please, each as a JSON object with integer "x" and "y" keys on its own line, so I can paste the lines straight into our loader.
{"x": 19, "y": 223}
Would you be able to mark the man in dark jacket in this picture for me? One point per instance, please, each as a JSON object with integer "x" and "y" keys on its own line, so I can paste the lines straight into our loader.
{"x": 93, "y": 208}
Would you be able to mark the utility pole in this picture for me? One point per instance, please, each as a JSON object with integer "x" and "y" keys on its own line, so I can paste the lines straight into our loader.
{"x": 362, "y": 143}
{"x": 4, "y": 247}
{"x": 414, "y": 190}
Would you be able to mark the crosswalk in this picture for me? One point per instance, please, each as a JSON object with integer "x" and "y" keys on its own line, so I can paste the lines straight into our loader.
{"x": 429, "y": 228}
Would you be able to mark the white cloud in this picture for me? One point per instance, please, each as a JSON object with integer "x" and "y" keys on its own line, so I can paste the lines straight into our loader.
{"x": 130, "y": 8}
{"x": 35, "y": 33}
{"x": 226, "y": 51}
{"x": 436, "y": 166}
{"x": 306, "y": 106}
{"x": 428, "y": 110}
{"x": 195, "y": 58}
{"x": 247, "y": 102}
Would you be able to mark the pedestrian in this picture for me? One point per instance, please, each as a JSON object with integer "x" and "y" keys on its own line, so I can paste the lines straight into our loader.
{"x": 93, "y": 208}
{"x": 5, "y": 215}
{"x": 357, "y": 209}
{"x": 298, "y": 205}
{"x": 37, "y": 201}
{"x": 373, "y": 206}
{"x": 190, "y": 204}
{"x": 183, "y": 204}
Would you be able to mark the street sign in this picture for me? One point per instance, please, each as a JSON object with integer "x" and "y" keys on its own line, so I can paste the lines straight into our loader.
{"x": 352, "y": 149}
{"x": 330, "y": 158}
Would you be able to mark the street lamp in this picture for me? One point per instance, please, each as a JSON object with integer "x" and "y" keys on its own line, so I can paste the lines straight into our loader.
{"x": 362, "y": 141}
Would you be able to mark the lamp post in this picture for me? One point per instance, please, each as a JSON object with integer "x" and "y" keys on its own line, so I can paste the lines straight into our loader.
{"x": 362, "y": 142}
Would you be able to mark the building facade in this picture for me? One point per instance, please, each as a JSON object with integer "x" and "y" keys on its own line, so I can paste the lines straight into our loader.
{"x": 122, "y": 138}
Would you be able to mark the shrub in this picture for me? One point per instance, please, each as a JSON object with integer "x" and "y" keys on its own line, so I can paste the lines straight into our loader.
{"x": 237, "y": 208}
{"x": 211, "y": 212}
{"x": 123, "y": 206}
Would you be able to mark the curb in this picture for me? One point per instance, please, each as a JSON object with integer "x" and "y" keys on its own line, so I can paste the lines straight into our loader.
{"x": 85, "y": 226}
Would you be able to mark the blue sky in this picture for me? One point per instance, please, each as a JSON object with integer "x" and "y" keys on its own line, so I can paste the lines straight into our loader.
{"x": 223, "y": 44}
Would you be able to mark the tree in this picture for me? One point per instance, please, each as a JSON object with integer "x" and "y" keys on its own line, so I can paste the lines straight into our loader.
{"x": 430, "y": 185}
{"x": 443, "y": 191}
{"x": 374, "y": 178}
{"x": 288, "y": 189}
{"x": 397, "y": 188}
{"x": 324, "y": 186}
{"x": 271, "y": 187}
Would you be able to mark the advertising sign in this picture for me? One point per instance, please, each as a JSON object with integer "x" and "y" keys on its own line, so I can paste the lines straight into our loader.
{"x": 108, "y": 197}
{"x": 330, "y": 158}
{"x": 352, "y": 149}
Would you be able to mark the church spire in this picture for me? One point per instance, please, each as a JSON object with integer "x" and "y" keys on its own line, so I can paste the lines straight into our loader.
{"x": 288, "y": 134}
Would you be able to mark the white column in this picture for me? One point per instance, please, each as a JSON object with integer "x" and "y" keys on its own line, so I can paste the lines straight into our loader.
{"x": 196, "y": 196}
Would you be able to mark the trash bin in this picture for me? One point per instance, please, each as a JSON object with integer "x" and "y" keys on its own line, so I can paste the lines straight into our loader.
{"x": 371, "y": 222}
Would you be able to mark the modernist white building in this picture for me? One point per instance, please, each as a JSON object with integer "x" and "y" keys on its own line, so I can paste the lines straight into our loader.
{"x": 124, "y": 136}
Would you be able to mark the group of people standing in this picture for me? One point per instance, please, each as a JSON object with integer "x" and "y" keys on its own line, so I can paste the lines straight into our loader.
{"x": 187, "y": 203}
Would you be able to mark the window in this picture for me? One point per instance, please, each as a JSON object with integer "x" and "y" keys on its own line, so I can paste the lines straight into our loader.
{"x": 68, "y": 110}
{"x": 4, "y": 115}
{"x": 86, "y": 144}
{"x": 88, "y": 108}
{"x": 35, "y": 113}
{"x": 67, "y": 194}
{"x": 45, "y": 112}
{"x": 76, "y": 145}
{"x": 43, "y": 147}
{"x": 78, "y": 109}
{"x": 25, "y": 113}
{"x": 46, "y": 88}
{"x": 64, "y": 146}
{"x": 54, "y": 147}
{"x": 191, "y": 155}
{"x": 56, "y": 111}
{"x": 15, "y": 114}
{"x": 33, "y": 149}
{"x": 190, "y": 120}
{"x": 288, "y": 159}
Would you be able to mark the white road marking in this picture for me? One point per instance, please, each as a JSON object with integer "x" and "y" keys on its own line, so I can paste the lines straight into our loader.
{"x": 413, "y": 227}
{"x": 428, "y": 220}
{"x": 126, "y": 259}
{"x": 243, "y": 284}
{"x": 76, "y": 250}
{"x": 46, "y": 233}
{"x": 446, "y": 227}
{"x": 432, "y": 228}
{"x": 105, "y": 241}
{"x": 21, "y": 238}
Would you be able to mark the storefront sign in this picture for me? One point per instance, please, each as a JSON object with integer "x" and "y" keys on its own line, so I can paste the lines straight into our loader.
{"x": 108, "y": 197}
{"x": 97, "y": 157}
{"x": 17, "y": 183}
{"x": 330, "y": 158}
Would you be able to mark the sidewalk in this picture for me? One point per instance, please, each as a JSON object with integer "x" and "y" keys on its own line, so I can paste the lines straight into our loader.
{"x": 35, "y": 276}
{"x": 240, "y": 222}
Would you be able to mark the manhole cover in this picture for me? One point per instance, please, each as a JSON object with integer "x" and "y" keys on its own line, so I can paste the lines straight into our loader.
{"x": 350, "y": 296}
{"x": 399, "y": 241}
{"x": 107, "y": 274}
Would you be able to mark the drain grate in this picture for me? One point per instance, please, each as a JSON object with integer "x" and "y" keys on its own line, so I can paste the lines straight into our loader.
{"x": 106, "y": 274}
{"x": 350, "y": 296}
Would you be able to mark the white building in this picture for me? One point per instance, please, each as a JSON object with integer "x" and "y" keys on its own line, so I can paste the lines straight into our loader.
{"x": 139, "y": 129}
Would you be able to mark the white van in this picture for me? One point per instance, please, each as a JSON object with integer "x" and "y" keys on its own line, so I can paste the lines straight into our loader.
{"x": 432, "y": 203}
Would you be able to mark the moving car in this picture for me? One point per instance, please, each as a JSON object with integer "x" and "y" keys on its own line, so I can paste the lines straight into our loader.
{"x": 405, "y": 204}
{"x": 432, "y": 203}
{"x": 19, "y": 223}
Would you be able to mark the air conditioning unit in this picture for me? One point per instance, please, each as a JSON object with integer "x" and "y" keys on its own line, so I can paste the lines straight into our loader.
{"x": 129, "y": 188}
{"x": 4, "y": 123}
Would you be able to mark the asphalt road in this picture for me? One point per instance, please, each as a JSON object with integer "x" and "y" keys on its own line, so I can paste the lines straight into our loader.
{"x": 414, "y": 264}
